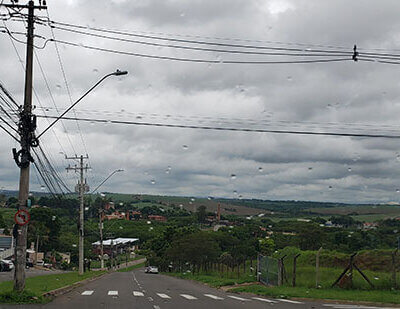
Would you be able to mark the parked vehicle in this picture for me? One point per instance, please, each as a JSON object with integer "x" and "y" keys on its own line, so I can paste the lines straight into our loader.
{"x": 6, "y": 265}
{"x": 151, "y": 270}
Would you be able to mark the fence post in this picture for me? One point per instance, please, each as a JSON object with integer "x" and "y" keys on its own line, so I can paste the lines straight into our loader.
{"x": 317, "y": 268}
{"x": 294, "y": 270}
{"x": 394, "y": 269}
{"x": 280, "y": 272}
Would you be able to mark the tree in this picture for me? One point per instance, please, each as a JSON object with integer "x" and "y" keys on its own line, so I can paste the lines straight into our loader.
{"x": 266, "y": 246}
{"x": 2, "y": 223}
{"x": 201, "y": 214}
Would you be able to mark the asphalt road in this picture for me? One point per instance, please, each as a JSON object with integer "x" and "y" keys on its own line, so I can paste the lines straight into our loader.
{"x": 139, "y": 290}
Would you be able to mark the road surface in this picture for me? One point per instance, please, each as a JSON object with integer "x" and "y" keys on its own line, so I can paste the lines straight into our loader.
{"x": 136, "y": 289}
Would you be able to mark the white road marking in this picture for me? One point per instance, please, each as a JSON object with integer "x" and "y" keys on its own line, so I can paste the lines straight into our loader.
{"x": 163, "y": 295}
{"x": 136, "y": 293}
{"x": 264, "y": 299}
{"x": 150, "y": 298}
{"x": 238, "y": 298}
{"x": 290, "y": 301}
{"x": 187, "y": 296}
{"x": 88, "y": 293}
{"x": 113, "y": 293}
{"x": 213, "y": 296}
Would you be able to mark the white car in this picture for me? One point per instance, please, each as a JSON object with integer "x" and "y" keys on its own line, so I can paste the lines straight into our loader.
{"x": 7, "y": 265}
{"x": 151, "y": 270}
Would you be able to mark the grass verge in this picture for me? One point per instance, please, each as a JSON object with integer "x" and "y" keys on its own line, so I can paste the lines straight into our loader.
{"x": 373, "y": 296}
{"x": 130, "y": 268}
{"x": 37, "y": 286}
{"x": 215, "y": 280}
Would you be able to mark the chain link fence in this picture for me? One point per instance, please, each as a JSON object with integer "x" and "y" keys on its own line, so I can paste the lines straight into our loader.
{"x": 267, "y": 270}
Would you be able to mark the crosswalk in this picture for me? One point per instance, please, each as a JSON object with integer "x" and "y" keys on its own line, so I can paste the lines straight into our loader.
{"x": 190, "y": 297}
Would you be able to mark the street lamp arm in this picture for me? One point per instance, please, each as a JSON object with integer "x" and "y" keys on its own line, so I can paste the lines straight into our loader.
{"x": 109, "y": 176}
{"x": 116, "y": 73}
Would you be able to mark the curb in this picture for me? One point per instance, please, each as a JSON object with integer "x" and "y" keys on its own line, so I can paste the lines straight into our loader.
{"x": 68, "y": 288}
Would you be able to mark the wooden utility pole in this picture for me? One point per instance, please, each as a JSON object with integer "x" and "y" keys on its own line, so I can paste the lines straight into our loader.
{"x": 81, "y": 188}
{"x": 23, "y": 158}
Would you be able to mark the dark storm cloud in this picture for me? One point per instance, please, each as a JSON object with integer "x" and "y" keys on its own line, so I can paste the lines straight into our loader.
{"x": 266, "y": 165}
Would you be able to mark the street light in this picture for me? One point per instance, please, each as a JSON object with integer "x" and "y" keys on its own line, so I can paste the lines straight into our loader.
{"x": 116, "y": 73}
{"x": 109, "y": 176}
{"x": 101, "y": 218}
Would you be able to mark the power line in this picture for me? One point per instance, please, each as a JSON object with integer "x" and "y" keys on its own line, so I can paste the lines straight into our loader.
{"x": 193, "y": 41}
{"x": 200, "y": 60}
{"x": 149, "y": 124}
{"x": 325, "y": 54}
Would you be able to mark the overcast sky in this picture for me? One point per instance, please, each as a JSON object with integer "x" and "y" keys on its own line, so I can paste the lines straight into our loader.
{"x": 189, "y": 162}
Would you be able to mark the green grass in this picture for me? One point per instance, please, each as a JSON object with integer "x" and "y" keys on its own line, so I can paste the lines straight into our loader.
{"x": 37, "y": 286}
{"x": 130, "y": 268}
{"x": 388, "y": 296}
{"x": 217, "y": 279}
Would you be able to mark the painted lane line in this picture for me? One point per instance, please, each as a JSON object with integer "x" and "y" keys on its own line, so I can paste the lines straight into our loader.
{"x": 238, "y": 298}
{"x": 213, "y": 296}
{"x": 187, "y": 296}
{"x": 290, "y": 301}
{"x": 163, "y": 295}
{"x": 136, "y": 293}
{"x": 87, "y": 293}
{"x": 264, "y": 299}
{"x": 113, "y": 293}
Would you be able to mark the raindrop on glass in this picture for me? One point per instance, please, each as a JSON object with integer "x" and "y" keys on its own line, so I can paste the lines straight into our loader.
{"x": 397, "y": 190}
{"x": 235, "y": 192}
{"x": 42, "y": 188}
{"x": 349, "y": 169}
{"x": 185, "y": 147}
{"x": 398, "y": 157}
{"x": 310, "y": 169}
{"x": 153, "y": 182}
{"x": 233, "y": 176}
{"x": 260, "y": 169}
{"x": 289, "y": 78}
{"x": 330, "y": 187}
{"x": 58, "y": 86}
{"x": 95, "y": 70}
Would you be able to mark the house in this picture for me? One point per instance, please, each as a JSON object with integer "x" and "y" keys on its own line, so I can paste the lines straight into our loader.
{"x": 109, "y": 206}
{"x": 116, "y": 245}
{"x": 157, "y": 218}
{"x": 115, "y": 215}
{"x": 369, "y": 225}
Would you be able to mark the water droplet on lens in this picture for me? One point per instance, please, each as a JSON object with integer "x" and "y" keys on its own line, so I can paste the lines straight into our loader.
{"x": 235, "y": 192}
{"x": 260, "y": 169}
{"x": 349, "y": 169}
{"x": 58, "y": 86}
{"x": 185, "y": 147}
{"x": 397, "y": 190}
{"x": 310, "y": 169}
{"x": 233, "y": 176}
{"x": 289, "y": 78}
{"x": 153, "y": 182}
{"x": 330, "y": 187}
{"x": 138, "y": 117}
{"x": 95, "y": 70}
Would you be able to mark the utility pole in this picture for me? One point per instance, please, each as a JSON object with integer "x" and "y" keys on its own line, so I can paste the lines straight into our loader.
{"x": 82, "y": 187}
{"x": 101, "y": 239}
{"x": 23, "y": 158}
